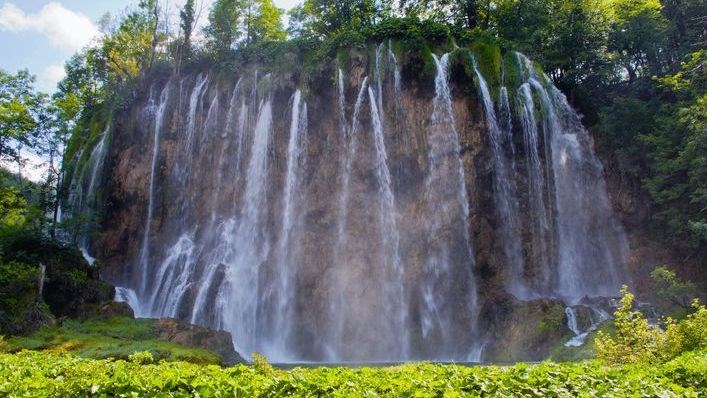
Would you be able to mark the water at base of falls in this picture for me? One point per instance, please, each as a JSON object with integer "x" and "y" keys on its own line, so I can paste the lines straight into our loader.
{"x": 344, "y": 234}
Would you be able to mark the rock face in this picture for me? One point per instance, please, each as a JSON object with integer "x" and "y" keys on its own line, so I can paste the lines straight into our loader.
{"x": 393, "y": 208}
{"x": 220, "y": 343}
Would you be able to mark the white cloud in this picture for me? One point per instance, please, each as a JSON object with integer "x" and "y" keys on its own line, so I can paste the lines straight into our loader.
{"x": 50, "y": 76}
{"x": 64, "y": 28}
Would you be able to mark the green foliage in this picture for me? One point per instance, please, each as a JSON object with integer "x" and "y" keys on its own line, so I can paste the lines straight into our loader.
{"x": 260, "y": 364}
{"x": 688, "y": 334}
{"x": 141, "y": 357}
{"x": 12, "y": 208}
{"x": 636, "y": 341}
{"x": 18, "y": 294}
{"x": 129, "y": 46}
{"x": 45, "y": 374}
{"x": 21, "y": 113}
{"x": 488, "y": 57}
{"x": 71, "y": 287}
{"x": 637, "y": 35}
{"x": 187, "y": 17}
{"x": 671, "y": 290}
{"x": 322, "y": 18}
{"x": 264, "y": 22}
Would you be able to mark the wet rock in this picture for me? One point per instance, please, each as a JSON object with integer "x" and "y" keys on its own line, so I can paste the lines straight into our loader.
{"x": 523, "y": 330}
{"x": 115, "y": 309}
{"x": 218, "y": 342}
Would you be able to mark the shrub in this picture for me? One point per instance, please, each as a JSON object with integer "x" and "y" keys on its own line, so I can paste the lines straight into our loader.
{"x": 671, "y": 291}
{"x": 636, "y": 341}
{"x": 689, "y": 334}
{"x": 260, "y": 363}
{"x": 141, "y": 357}
{"x": 18, "y": 293}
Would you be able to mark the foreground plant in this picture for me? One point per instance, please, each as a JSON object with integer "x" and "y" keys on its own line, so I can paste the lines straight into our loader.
{"x": 636, "y": 341}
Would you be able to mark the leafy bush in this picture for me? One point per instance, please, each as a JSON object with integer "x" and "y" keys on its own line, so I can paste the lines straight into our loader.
{"x": 72, "y": 287}
{"x": 636, "y": 341}
{"x": 141, "y": 357}
{"x": 671, "y": 291}
{"x": 18, "y": 293}
{"x": 688, "y": 334}
{"x": 33, "y": 374}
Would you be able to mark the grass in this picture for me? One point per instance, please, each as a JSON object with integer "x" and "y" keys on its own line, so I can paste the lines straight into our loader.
{"x": 117, "y": 338}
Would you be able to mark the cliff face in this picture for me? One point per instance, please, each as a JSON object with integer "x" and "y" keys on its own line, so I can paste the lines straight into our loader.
{"x": 380, "y": 210}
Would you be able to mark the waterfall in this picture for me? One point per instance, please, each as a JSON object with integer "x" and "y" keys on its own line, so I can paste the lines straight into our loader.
{"x": 503, "y": 186}
{"x": 596, "y": 317}
{"x": 144, "y": 257}
{"x": 128, "y": 296}
{"x": 590, "y": 245}
{"x": 446, "y": 219}
{"x": 542, "y": 237}
{"x": 88, "y": 203}
{"x": 395, "y": 296}
{"x": 342, "y": 101}
{"x": 572, "y": 320}
{"x": 239, "y": 293}
{"x": 347, "y": 165}
{"x": 282, "y": 289}
{"x": 172, "y": 277}
{"x": 350, "y": 142}
{"x": 195, "y": 102}
{"x": 307, "y": 224}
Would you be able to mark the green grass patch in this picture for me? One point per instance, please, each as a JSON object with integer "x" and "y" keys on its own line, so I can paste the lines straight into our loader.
{"x": 117, "y": 337}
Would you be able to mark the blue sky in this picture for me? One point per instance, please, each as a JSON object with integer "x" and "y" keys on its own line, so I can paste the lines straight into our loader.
{"x": 40, "y": 35}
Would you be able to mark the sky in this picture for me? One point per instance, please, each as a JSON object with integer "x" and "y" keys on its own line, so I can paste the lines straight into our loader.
{"x": 41, "y": 35}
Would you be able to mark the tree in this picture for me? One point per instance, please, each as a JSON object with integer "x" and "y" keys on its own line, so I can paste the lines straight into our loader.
{"x": 324, "y": 17}
{"x": 12, "y": 208}
{"x": 131, "y": 47}
{"x": 187, "y": 18}
{"x": 224, "y": 23}
{"x": 638, "y": 31}
{"x": 677, "y": 145}
{"x": 21, "y": 114}
{"x": 672, "y": 290}
{"x": 264, "y": 22}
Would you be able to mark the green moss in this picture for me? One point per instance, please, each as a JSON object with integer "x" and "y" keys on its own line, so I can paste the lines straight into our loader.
{"x": 553, "y": 320}
{"x": 562, "y": 353}
{"x": 118, "y": 337}
{"x": 343, "y": 57}
{"x": 488, "y": 58}
{"x": 511, "y": 74}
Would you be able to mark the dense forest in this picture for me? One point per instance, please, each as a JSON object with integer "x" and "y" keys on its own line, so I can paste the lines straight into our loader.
{"x": 635, "y": 70}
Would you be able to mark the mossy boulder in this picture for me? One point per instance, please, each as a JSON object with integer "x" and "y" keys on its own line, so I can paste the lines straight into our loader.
{"x": 523, "y": 330}
{"x": 70, "y": 287}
